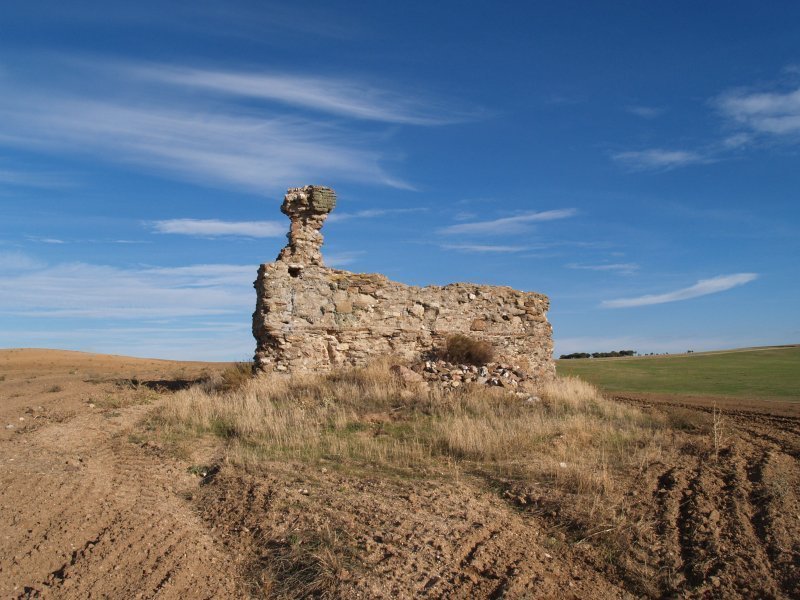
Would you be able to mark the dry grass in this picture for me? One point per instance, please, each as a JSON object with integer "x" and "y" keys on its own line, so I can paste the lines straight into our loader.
{"x": 231, "y": 379}
{"x": 572, "y": 437}
{"x": 307, "y": 564}
{"x": 567, "y": 451}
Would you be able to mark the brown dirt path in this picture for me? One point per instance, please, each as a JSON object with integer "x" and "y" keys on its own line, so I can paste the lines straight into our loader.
{"x": 382, "y": 539}
{"x": 84, "y": 511}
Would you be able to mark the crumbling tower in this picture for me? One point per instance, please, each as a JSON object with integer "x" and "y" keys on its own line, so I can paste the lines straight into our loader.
{"x": 307, "y": 207}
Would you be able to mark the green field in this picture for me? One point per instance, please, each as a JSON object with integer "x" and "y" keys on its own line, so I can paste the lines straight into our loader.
{"x": 747, "y": 373}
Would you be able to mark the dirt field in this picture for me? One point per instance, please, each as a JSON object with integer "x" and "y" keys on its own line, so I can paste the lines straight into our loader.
{"x": 91, "y": 506}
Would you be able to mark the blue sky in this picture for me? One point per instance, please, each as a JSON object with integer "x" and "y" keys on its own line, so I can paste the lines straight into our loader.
{"x": 638, "y": 162}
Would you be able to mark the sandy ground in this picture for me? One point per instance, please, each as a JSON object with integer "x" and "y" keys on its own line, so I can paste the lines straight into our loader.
{"x": 90, "y": 510}
{"x": 85, "y": 513}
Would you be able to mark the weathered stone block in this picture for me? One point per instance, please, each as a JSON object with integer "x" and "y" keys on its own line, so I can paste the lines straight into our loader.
{"x": 417, "y": 310}
{"x": 344, "y": 307}
{"x": 478, "y": 325}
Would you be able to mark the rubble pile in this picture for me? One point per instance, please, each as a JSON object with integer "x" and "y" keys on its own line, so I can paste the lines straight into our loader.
{"x": 453, "y": 375}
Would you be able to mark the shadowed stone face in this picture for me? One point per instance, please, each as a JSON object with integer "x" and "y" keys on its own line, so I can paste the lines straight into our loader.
{"x": 323, "y": 199}
{"x": 305, "y": 202}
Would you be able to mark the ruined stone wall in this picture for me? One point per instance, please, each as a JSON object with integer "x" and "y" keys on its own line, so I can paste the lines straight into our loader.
{"x": 312, "y": 318}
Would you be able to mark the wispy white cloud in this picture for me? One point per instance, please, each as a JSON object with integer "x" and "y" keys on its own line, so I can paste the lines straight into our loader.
{"x": 32, "y": 179}
{"x": 204, "y": 275}
{"x": 142, "y": 311}
{"x": 45, "y": 240}
{"x": 508, "y": 225}
{"x": 168, "y": 340}
{"x": 701, "y": 288}
{"x": 646, "y": 112}
{"x": 51, "y": 240}
{"x": 736, "y": 141}
{"x": 334, "y": 95}
{"x": 464, "y": 215}
{"x": 218, "y": 147}
{"x": 216, "y": 228}
{"x": 202, "y": 126}
{"x": 484, "y": 248}
{"x": 622, "y": 268}
{"x": 371, "y": 213}
{"x": 18, "y": 261}
{"x": 659, "y": 159}
{"x": 755, "y": 114}
{"x": 676, "y": 343}
{"x": 638, "y": 343}
{"x": 93, "y": 291}
{"x": 341, "y": 259}
{"x": 776, "y": 113}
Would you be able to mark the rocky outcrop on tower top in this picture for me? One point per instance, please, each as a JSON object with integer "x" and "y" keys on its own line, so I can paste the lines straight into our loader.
{"x": 310, "y": 317}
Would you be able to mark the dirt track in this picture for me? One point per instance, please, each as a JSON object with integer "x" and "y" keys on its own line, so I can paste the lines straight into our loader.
{"x": 85, "y": 513}
{"x": 732, "y": 520}
{"x": 90, "y": 510}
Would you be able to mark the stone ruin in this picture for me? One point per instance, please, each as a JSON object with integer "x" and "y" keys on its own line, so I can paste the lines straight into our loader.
{"x": 310, "y": 317}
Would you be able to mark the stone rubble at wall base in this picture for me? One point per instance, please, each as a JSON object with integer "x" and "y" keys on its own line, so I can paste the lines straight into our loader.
{"x": 313, "y": 318}
{"x": 452, "y": 375}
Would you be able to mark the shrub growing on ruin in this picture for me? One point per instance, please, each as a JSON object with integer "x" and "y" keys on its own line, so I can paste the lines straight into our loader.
{"x": 462, "y": 349}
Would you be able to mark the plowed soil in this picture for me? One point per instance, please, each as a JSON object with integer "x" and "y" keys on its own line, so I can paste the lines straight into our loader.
{"x": 89, "y": 508}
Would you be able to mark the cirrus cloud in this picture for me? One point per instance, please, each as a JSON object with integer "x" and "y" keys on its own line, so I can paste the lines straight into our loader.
{"x": 30, "y": 288}
{"x": 703, "y": 287}
{"x": 216, "y": 228}
{"x": 622, "y": 268}
{"x": 484, "y": 248}
{"x": 508, "y": 225}
{"x": 659, "y": 159}
{"x": 202, "y": 125}
{"x": 334, "y": 95}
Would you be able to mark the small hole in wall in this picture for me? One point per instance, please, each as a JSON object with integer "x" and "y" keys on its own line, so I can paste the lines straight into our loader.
{"x": 295, "y": 271}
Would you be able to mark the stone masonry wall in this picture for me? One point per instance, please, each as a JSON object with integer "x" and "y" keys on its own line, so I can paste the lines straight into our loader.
{"x": 310, "y": 317}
